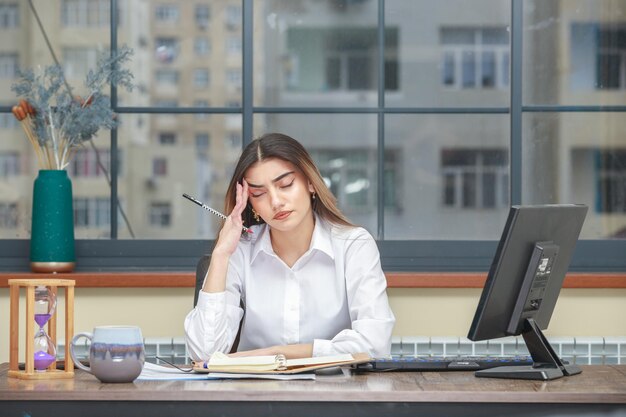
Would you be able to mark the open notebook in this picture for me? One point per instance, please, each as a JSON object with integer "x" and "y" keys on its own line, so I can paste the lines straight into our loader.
{"x": 220, "y": 362}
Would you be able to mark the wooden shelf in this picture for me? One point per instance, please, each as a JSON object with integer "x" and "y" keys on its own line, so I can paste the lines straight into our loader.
{"x": 394, "y": 279}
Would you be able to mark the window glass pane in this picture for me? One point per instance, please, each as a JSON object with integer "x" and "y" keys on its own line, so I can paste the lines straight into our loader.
{"x": 450, "y": 53}
{"x": 320, "y": 54}
{"x": 344, "y": 149}
{"x": 574, "y": 52}
{"x": 578, "y": 158}
{"x": 166, "y": 156}
{"x": 182, "y": 37}
{"x": 452, "y": 176}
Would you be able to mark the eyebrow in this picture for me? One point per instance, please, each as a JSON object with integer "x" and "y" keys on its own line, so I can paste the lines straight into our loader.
{"x": 280, "y": 177}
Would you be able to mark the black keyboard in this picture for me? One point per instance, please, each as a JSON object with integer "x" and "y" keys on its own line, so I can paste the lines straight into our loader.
{"x": 442, "y": 363}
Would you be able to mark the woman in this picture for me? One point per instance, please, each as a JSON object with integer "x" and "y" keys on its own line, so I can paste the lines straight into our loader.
{"x": 309, "y": 281}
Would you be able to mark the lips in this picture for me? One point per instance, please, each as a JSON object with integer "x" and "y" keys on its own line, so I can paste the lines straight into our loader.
{"x": 282, "y": 215}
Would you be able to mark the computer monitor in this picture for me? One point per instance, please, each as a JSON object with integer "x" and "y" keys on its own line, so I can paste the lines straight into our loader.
{"x": 523, "y": 285}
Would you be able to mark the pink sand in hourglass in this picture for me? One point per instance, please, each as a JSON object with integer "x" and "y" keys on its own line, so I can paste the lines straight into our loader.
{"x": 42, "y": 319}
{"x": 43, "y": 360}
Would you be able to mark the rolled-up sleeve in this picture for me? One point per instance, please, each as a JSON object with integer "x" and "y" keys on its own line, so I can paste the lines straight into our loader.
{"x": 370, "y": 313}
{"x": 213, "y": 324}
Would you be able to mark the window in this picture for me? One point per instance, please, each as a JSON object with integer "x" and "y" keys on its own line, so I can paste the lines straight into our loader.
{"x": 160, "y": 214}
{"x": 420, "y": 142}
{"x": 92, "y": 212}
{"x": 233, "y": 16}
{"x": 9, "y": 164}
{"x": 233, "y": 45}
{"x": 201, "y": 104}
{"x": 202, "y": 142}
{"x": 475, "y": 58}
{"x": 233, "y": 78}
{"x": 84, "y": 164}
{"x": 474, "y": 179}
{"x": 166, "y": 76}
{"x": 166, "y": 49}
{"x": 201, "y": 46}
{"x": 167, "y": 138}
{"x": 202, "y": 15}
{"x": 349, "y": 173}
{"x": 201, "y": 78}
{"x": 348, "y": 57}
{"x": 611, "y": 188}
{"x": 77, "y": 61}
{"x": 9, "y": 16}
{"x": 166, "y": 13}
{"x": 86, "y": 13}
{"x": 8, "y": 65}
{"x": 8, "y": 121}
{"x": 9, "y": 215}
{"x": 159, "y": 167}
{"x": 611, "y": 58}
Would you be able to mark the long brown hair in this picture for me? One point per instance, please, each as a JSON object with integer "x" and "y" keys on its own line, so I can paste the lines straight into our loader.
{"x": 278, "y": 145}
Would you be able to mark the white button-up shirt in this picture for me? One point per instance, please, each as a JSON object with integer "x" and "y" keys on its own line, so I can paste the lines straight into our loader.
{"x": 334, "y": 297}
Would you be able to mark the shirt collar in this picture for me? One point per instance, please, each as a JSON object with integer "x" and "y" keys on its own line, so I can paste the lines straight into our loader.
{"x": 321, "y": 240}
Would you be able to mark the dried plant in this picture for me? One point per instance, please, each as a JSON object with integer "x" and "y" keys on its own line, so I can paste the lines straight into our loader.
{"x": 55, "y": 121}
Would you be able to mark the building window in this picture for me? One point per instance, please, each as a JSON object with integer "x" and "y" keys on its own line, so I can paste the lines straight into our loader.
{"x": 233, "y": 78}
{"x": 9, "y": 164}
{"x": 167, "y": 138}
{"x": 84, "y": 164}
{"x": 201, "y": 46}
{"x": 92, "y": 212}
{"x": 8, "y": 121}
{"x": 233, "y": 45}
{"x": 166, "y": 13}
{"x": 611, "y": 189}
{"x": 611, "y": 58}
{"x": 348, "y": 55}
{"x": 350, "y": 174}
{"x": 86, "y": 13}
{"x": 202, "y": 142}
{"x": 8, "y": 215}
{"x": 160, "y": 214}
{"x": 78, "y": 61}
{"x": 159, "y": 167}
{"x": 166, "y": 49}
{"x": 201, "y": 78}
{"x": 201, "y": 104}
{"x": 475, "y": 57}
{"x": 233, "y": 17}
{"x": 166, "y": 76}
{"x": 473, "y": 179}
{"x": 8, "y": 65}
{"x": 9, "y": 16}
{"x": 202, "y": 15}
{"x": 165, "y": 103}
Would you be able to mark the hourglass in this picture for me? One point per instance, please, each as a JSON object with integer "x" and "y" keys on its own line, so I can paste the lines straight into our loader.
{"x": 44, "y": 347}
{"x": 41, "y": 302}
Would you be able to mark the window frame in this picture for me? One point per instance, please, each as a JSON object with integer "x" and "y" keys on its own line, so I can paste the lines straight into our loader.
{"x": 115, "y": 254}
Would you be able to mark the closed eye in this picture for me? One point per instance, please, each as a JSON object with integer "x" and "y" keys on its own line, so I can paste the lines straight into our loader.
{"x": 256, "y": 195}
{"x": 288, "y": 185}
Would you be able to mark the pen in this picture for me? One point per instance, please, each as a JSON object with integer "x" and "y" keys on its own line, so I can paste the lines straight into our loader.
{"x": 212, "y": 210}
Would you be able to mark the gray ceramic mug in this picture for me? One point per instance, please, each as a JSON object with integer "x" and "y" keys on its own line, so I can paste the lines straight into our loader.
{"x": 116, "y": 353}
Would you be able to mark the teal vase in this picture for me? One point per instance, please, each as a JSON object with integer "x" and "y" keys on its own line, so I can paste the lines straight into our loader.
{"x": 52, "y": 233}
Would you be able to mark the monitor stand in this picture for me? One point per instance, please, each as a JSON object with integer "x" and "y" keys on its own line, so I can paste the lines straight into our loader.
{"x": 546, "y": 363}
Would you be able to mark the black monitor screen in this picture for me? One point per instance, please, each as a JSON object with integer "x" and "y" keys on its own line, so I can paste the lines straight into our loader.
{"x": 524, "y": 282}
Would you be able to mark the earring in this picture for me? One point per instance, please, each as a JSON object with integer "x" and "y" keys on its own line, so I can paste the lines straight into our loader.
{"x": 313, "y": 195}
{"x": 256, "y": 216}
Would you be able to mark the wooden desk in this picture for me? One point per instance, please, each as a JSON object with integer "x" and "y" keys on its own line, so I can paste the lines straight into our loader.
{"x": 598, "y": 390}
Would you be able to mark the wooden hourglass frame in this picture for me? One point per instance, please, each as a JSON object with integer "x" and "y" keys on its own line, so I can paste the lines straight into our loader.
{"x": 29, "y": 371}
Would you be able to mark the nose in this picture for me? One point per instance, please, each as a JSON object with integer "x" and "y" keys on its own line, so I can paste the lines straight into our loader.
{"x": 275, "y": 200}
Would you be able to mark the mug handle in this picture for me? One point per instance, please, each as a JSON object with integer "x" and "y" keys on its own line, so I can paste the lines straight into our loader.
{"x": 73, "y": 355}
